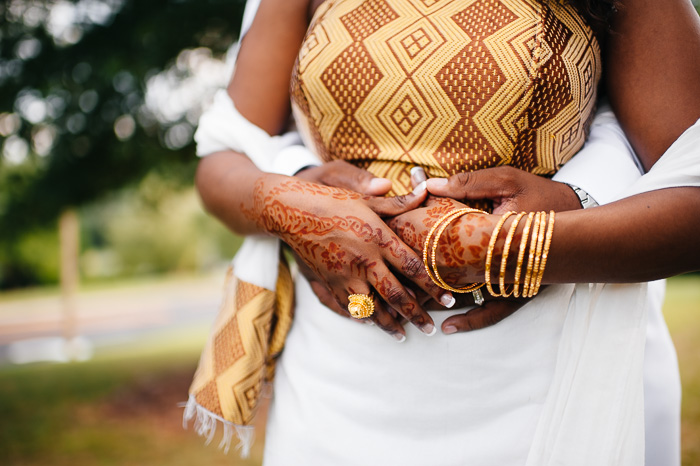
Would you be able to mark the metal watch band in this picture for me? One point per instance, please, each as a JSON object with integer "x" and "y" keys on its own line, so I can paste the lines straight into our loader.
{"x": 586, "y": 200}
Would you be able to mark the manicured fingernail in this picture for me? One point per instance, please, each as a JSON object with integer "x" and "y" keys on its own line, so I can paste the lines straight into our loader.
{"x": 429, "y": 329}
{"x": 399, "y": 337}
{"x": 420, "y": 189}
{"x": 418, "y": 175}
{"x": 379, "y": 184}
{"x": 447, "y": 300}
{"x": 410, "y": 291}
{"x": 449, "y": 329}
{"x": 437, "y": 182}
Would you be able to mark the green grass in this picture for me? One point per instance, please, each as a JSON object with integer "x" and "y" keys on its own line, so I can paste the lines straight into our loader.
{"x": 120, "y": 407}
{"x": 117, "y": 409}
{"x": 682, "y": 311}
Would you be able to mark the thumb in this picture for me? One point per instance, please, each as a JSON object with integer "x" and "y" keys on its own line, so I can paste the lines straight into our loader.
{"x": 342, "y": 174}
{"x": 490, "y": 313}
{"x": 488, "y": 183}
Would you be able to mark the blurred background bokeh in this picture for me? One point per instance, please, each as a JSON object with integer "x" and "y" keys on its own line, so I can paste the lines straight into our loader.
{"x": 110, "y": 271}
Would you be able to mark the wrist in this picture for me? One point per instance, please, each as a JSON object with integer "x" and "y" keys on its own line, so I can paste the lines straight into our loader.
{"x": 581, "y": 198}
{"x": 267, "y": 202}
{"x": 461, "y": 249}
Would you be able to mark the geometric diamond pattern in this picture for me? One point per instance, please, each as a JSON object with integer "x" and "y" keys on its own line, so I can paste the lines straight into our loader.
{"x": 451, "y": 85}
{"x": 406, "y": 115}
{"x": 415, "y": 44}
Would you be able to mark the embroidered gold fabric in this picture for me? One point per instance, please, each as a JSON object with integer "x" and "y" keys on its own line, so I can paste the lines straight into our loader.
{"x": 241, "y": 352}
{"x": 450, "y": 85}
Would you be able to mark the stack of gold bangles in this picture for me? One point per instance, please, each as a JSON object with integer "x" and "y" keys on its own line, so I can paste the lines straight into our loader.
{"x": 537, "y": 232}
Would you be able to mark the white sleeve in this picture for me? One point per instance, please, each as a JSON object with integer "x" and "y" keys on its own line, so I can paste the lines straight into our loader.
{"x": 606, "y": 165}
{"x": 221, "y": 127}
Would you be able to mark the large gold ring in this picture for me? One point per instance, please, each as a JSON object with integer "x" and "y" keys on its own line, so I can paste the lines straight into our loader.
{"x": 361, "y": 306}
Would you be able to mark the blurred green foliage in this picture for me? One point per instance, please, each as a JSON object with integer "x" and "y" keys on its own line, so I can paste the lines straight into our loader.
{"x": 74, "y": 125}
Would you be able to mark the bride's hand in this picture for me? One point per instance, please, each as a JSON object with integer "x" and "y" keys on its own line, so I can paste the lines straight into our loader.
{"x": 341, "y": 237}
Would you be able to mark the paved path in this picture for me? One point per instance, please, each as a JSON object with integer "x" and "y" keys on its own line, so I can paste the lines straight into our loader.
{"x": 110, "y": 312}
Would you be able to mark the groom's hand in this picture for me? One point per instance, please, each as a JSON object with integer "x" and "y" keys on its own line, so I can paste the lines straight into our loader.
{"x": 508, "y": 189}
{"x": 341, "y": 174}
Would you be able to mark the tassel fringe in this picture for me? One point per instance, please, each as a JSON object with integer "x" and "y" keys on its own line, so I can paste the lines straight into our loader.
{"x": 205, "y": 423}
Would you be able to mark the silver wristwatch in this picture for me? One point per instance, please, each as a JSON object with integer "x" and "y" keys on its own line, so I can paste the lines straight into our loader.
{"x": 586, "y": 200}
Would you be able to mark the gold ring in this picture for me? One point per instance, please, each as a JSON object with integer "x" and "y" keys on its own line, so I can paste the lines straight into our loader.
{"x": 361, "y": 306}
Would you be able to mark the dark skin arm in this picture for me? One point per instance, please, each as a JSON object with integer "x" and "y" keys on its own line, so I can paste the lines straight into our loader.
{"x": 653, "y": 64}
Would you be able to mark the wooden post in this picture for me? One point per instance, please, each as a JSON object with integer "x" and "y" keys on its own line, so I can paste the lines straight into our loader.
{"x": 69, "y": 235}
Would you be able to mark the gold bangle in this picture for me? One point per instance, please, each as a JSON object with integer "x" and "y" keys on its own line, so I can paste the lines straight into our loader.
{"x": 545, "y": 252}
{"x": 531, "y": 257}
{"x": 440, "y": 226}
{"x": 538, "y": 251}
{"x": 489, "y": 253}
{"x": 438, "y": 234}
{"x": 426, "y": 245}
{"x": 504, "y": 256}
{"x": 538, "y": 254}
{"x": 521, "y": 255}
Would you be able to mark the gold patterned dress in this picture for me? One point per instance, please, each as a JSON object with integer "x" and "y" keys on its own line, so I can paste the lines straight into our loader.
{"x": 450, "y": 85}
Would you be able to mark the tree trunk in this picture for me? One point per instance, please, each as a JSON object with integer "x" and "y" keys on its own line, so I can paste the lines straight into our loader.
{"x": 69, "y": 234}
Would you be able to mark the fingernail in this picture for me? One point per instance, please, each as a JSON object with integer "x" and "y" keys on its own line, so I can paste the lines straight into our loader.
{"x": 420, "y": 188}
{"x": 429, "y": 329}
{"x": 418, "y": 175}
{"x": 437, "y": 182}
{"x": 379, "y": 184}
{"x": 399, "y": 337}
{"x": 449, "y": 329}
{"x": 410, "y": 291}
{"x": 447, "y": 300}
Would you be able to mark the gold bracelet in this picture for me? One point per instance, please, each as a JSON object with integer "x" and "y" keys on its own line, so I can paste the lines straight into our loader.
{"x": 545, "y": 252}
{"x": 538, "y": 253}
{"x": 445, "y": 222}
{"x": 504, "y": 256}
{"x": 531, "y": 257}
{"x": 521, "y": 255}
{"x": 440, "y": 226}
{"x": 489, "y": 252}
{"x": 426, "y": 245}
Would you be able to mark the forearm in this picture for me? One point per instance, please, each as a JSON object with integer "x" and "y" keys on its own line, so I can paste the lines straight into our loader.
{"x": 640, "y": 238}
{"x": 226, "y": 184}
{"x": 644, "y": 237}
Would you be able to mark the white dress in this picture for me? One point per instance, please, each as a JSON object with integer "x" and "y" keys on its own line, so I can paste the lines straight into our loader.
{"x": 347, "y": 394}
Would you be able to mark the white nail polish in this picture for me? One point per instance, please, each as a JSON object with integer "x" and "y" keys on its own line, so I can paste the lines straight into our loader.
{"x": 447, "y": 300}
{"x": 420, "y": 188}
{"x": 418, "y": 175}
{"x": 399, "y": 337}
{"x": 429, "y": 330}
